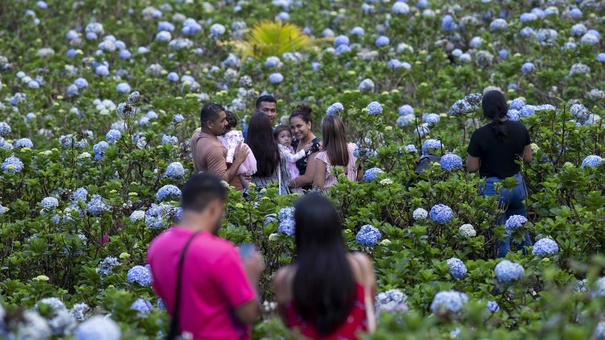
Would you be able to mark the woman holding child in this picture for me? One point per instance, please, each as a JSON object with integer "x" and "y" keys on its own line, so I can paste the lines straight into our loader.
{"x": 301, "y": 124}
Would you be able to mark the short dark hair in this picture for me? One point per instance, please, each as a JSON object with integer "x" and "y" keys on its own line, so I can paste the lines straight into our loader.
{"x": 231, "y": 119}
{"x": 210, "y": 112}
{"x": 200, "y": 190}
{"x": 265, "y": 99}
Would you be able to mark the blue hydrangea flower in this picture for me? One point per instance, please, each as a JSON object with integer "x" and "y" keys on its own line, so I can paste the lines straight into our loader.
{"x": 545, "y": 247}
{"x": 513, "y": 223}
{"x": 161, "y": 304}
{"x": 492, "y": 307}
{"x": 411, "y": 148}
{"x": 49, "y": 203}
{"x": 448, "y": 24}
{"x": 392, "y": 300}
{"x": 154, "y": 222}
{"x": 513, "y": 115}
{"x": 448, "y": 302}
{"x": 81, "y": 83}
{"x": 406, "y": 110}
{"x": 276, "y": 78}
{"x": 357, "y": 31}
{"x": 592, "y": 161}
{"x": 575, "y": 13}
{"x": 382, "y": 41}
{"x": 286, "y": 213}
{"x": 169, "y": 140}
{"x": 441, "y": 214}
{"x": 335, "y": 109}
{"x": 140, "y": 275}
{"x": 137, "y": 215}
{"x": 173, "y": 77}
{"x": 431, "y": 118}
{"x": 315, "y": 66}
{"x": 177, "y": 118}
{"x": 371, "y": 174}
{"x": 168, "y": 191}
{"x": 165, "y": 26}
{"x": 528, "y": 68}
{"x": 528, "y": 32}
{"x": 287, "y": 227}
{"x": 366, "y": 85}
{"x": 102, "y": 70}
{"x": 12, "y": 164}
{"x": 517, "y": 104}
{"x": 191, "y": 27}
{"x": 24, "y": 143}
{"x": 96, "y": 206}
{"x": 431, "y": 146}
{"x": 405, "y": 120}
{"x": 451, "y": 162}
{"x": 527, "y": 17}
{"x": 106, "y": 266}
{"x": 374, "y": 108}
{"x": 527, "y": 111}
{"x": 503, "y": 54}
{"x": 498, "y": 25}
{"x": 457, "y": 268}
{"x": 72, "y": 90}
{"x": 125, "y": 55}
{"x": 123, "y": 88}
{"x": 400, "y": 8}
{"x": 5, "y": 129}
{"x": 175, "y": 170}
{"x": 98, "y": 327}
{"x": 142, "y": 306}
{"x": 601, "y": 57}
{"x": 507, "y": 272}
{"x": 273, "y": 62}
{"x": 368, "y": 236}
{"x": 341, "y": 40}
{"x": 113, "y": 135}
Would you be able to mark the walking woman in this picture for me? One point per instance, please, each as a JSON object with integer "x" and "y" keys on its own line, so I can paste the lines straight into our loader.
{"x": 336, "y": 155}
{"x": 494, "y": 150}
{"x": 327, "y": 293}
{"x": 300, "y": 124}
{"x": 271, "y": 167}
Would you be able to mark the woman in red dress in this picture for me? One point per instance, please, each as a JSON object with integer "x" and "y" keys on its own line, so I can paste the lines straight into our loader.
{"x": 327, "y": 293}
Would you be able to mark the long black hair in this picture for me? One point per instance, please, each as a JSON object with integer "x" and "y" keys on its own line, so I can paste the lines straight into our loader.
{"x": 263, "y": 146}
{"x": 495, "y": 108}
{"x": 324, "y": 286}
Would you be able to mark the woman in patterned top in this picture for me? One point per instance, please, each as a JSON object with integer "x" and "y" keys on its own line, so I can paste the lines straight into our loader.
{"x": 336, "y": 155}
{"x": 301, "y": 123}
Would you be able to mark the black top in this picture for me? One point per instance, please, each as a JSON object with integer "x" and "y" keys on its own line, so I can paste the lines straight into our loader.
{"x": 498, "y": 158}
{"x": 301, "y": 164}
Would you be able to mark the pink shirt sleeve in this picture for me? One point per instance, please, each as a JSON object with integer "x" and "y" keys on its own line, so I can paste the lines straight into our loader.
{"x": 231, "y": 279}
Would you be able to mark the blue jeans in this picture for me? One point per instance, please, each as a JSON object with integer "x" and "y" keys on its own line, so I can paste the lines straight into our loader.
{"x": 511, "y": 201}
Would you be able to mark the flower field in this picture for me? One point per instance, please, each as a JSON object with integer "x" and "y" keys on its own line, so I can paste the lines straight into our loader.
{"x": 98, "y": 101}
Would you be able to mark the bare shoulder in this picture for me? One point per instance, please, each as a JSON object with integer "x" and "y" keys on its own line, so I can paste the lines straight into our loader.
{"x": 361, "y": 264}
{"x": 282, "y": 283}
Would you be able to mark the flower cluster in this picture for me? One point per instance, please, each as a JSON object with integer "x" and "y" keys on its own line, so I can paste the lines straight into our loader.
{"x": 286, "y": 221}
{"x": 457, "y": 268}
{"x": 140, "y": 275}
{"x": 420, "y": 214}
{"x": 368, "y": 236}
{"x": 513, "y": 223}
{"x": 371, "y": 174}
{"x": 545, "y": 247}
{"x": 106, "y": 266}
{"x": 467, "y": 230}
{"x": 448, "y": 302}
{"x": 391, "y": 301}
{"x": 450, "y": 162}
{"x": 441, "y": 214}
{"x": 507, "y": 272}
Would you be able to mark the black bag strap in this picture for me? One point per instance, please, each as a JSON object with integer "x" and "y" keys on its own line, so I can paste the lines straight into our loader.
{"x": 173, "y": 333}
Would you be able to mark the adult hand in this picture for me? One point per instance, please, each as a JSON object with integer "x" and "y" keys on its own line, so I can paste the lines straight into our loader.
{"x": 254, "y": 266}
{"x": 240, "y": 154}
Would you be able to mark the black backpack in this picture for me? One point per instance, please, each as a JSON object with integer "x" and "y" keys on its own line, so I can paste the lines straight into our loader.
{"x": 423, "y": 165}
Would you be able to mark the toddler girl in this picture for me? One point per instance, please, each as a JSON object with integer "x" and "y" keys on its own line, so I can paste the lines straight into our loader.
{"x": 283, "y": 136}
{"x": 231, "y": 139}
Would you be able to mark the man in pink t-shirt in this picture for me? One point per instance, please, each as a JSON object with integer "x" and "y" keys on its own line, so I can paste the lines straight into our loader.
{"x": 217, "y": 294}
